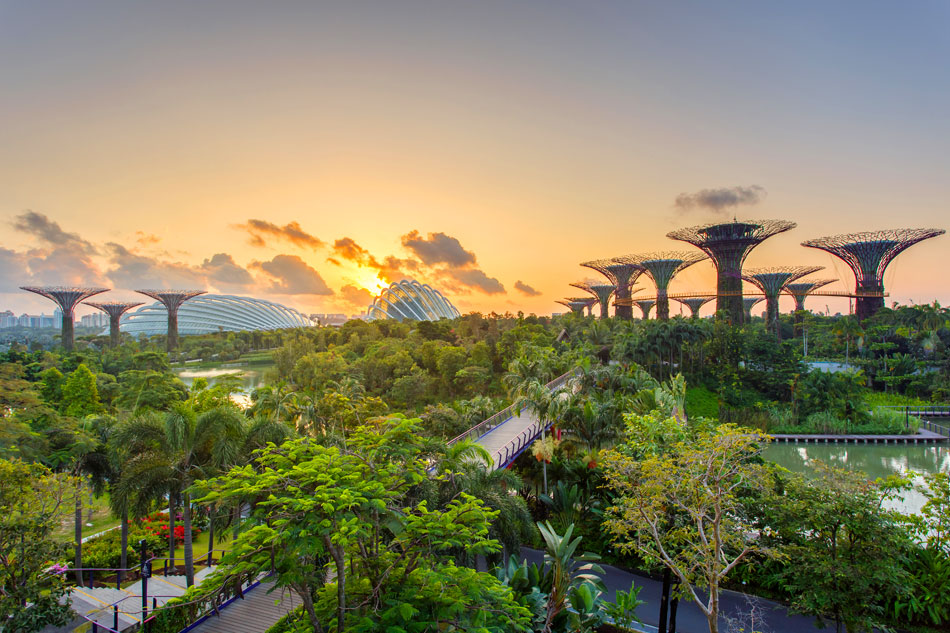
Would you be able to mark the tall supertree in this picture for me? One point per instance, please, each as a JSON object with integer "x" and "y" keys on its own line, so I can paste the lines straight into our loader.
{"x": 771, "y": 281}
{"x": 661, "y": 267}
{"x": 694, "y": 304}
{"x": 645, "y": 306}
{"x": 748, "y": 303}
{"x": 66, "y": 298}
{"x": 115, "y": 310}
{"x": 172, "y": 300}
{"x": 799, "y": 291}
{"x": 728, "y": 244}
{"x": 868, "y": 254}
{"x": 623, "y": 273}
{"x": 600, "y": 290}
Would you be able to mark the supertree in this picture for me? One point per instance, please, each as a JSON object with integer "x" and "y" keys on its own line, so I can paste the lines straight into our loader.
{"x": 115, "y": 310}
{"x": 588, "y": 302}
{"x": 694, "y": 304}
{"x": 577, "y": 307}
{"x": 623, "y": 274}
{"x": 728, "y": 244}
{"x": 748, "y": 303}
{"x": 66, "y": 298}
{"x": 600, "y": 290}
{"x": 172, "y": 300}
{"x": 799, "y": 291}
{"x": 645, "y": 306}
{"x": 771, "y": 281}
{"x": 868, "y": 254}
{"x": 661, "y": 267}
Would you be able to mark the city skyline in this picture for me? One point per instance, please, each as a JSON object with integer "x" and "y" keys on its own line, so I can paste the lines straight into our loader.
{"x": 301, "y": 154}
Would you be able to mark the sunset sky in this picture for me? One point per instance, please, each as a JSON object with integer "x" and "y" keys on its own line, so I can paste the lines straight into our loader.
{"x": 308, "y": 152}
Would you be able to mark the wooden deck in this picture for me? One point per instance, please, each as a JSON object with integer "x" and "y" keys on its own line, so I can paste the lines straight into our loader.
{"x": 921, "y": 437}
{"x": 254, "y": 614}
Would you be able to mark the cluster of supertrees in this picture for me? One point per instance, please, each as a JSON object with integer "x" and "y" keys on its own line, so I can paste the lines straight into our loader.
{"x": 727, "y": 245}
{"x": 68, "y": 297}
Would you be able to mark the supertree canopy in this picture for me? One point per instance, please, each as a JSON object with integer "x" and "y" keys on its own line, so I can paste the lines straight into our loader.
{"x": 661, "y": 267}
{"x": 645, "y": 305}
{"x": 694, "y": 304}
{"x": 172, "y": 300}
{"x": 66, "y": 298}
{"x": 587, "y": 302}
{"x": 600, "y": 290}
{"x": 799, "y": 290}
{"x": 728, "y": 244}
{"x": 576, "y": 307}
{"x": 115, "y": 310}
{"x": 868, "y": 254}
{"x": 623, "y": 274}
{"x": 748, "y": 303}
{"x": 771, "y": 281}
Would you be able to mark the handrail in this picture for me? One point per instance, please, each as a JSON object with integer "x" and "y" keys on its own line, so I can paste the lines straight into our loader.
{"x": 505, "y": 414}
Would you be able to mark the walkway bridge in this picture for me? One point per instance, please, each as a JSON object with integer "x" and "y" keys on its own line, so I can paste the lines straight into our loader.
{"x": 508, "y": 433}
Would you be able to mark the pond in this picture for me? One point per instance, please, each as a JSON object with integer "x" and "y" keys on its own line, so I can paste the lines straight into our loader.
{"x": 252, "y": 376}
{"x": 874, "y": 460}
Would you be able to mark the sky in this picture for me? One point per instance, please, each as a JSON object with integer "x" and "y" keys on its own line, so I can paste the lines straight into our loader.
{"x": 310, "y": 153}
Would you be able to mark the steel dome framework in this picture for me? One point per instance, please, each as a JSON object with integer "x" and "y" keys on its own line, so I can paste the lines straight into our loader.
{"x": 214, "y": 313}
{"x": 409, "y": 299}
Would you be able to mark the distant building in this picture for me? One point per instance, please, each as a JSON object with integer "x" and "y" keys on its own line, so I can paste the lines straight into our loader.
{"x": 410, "y": 299}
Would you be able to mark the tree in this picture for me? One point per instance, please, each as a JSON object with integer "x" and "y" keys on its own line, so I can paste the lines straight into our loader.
{"x": 169, "y": 453}
{"x": 392, "y": 567}
{"x": 682, "y": 508}
{"x": 849, "y": 329}
{"x": 80, "y": 394}
{"x": 33, "y": 499}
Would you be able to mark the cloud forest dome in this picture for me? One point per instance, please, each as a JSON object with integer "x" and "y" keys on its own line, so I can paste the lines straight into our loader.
{"x": 214, "y": 313}
{"x": 409, "y": 299}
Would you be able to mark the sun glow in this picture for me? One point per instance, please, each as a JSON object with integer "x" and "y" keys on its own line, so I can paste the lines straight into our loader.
{"x": 373, "y": 283}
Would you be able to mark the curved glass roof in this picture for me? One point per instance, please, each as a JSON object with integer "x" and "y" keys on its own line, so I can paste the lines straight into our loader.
{"x": 214, "y": 313}
{"x": 408, "y": 299}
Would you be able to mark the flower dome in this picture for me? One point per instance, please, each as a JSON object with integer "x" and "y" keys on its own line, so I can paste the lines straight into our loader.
{"x": 408, "y": 299}
{"x": 214, "y": 313}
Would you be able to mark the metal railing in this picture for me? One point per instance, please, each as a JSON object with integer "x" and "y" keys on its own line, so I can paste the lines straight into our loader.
{"x": 920, "y": 410}
{"x": 510, "y": 451}
{"x": 935, "y": 428}
{"x": 505, "y": 414}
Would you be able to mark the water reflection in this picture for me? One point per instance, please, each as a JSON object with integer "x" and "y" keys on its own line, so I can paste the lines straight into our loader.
{"x": 251, "y": 377}
{"x": 874, "y": 460}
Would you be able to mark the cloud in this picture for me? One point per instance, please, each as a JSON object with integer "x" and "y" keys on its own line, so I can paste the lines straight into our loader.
{"x": 146, "y": 239}
{"x": 49, "y": 232}
{"x": 718, "y": 200}
{"x": 525, "y": 289}
{"x": 348, "y": 249}
{"x": 291, "y": 232}
{"x": 290, "y": 275}
{"x": 357, "y": 296}
{"x": 438, "y": 248}
{"x": 133, "y": 270}
{"x": 224, "y": 272}
{"x": 473, "y": 278}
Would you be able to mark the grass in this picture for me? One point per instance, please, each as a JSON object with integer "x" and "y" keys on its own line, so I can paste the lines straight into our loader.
{"x": 701, "y": 402}
{"x": 102, "y": 519}
{"x": 879, "y": 399}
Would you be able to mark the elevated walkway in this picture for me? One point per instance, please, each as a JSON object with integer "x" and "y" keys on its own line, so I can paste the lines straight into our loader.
{"x": 508, "y": 433}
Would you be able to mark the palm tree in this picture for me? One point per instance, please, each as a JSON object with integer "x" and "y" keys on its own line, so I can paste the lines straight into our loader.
{"x": 849, "y": 329}
{"x": 537, "y": 398}
{"x": 171, "y": 452}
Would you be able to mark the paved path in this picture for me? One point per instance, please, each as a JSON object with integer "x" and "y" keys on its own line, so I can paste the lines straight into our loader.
{"x": 506, "y": 439}
{"x": 254, "y": 614}
{"x": 772, "y": 618}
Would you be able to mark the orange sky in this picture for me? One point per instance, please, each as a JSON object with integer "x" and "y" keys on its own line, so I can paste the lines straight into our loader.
{"x": 531, "y": 136}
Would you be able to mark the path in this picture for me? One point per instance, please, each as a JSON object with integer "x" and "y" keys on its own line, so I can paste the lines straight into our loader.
{"x": 254, "y": 614}
{"x": 689, "y": 619}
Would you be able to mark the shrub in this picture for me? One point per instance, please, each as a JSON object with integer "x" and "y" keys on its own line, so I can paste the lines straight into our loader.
{"x": 105, "y": 551}
{"x": 701, "y": 402}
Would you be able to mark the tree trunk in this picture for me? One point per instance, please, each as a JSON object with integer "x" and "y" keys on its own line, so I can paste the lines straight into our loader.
{"x": 77, "y": 520}
{"x": 124, "y": 561}
{"x": 210, "y": 538}
{"x": 307, "y": 599}
{"x": 713, "y": 616}
{"x": 189, "y": 554}
{"x": 337, "y": 553}
{"x": 171, "y": 528}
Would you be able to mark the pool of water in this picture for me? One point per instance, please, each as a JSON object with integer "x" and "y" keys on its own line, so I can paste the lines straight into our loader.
{"x": 874, "y": 460}
{"x": 252, "y": 377}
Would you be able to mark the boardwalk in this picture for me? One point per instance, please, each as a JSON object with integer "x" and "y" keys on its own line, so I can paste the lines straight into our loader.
{"x": 510, "y": 438}
{"x": 254, "y": 614}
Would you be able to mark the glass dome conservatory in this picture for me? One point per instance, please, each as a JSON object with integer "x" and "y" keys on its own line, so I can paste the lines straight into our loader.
{"x": 408, "y": 299}
{"x": 214, "y": 313}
